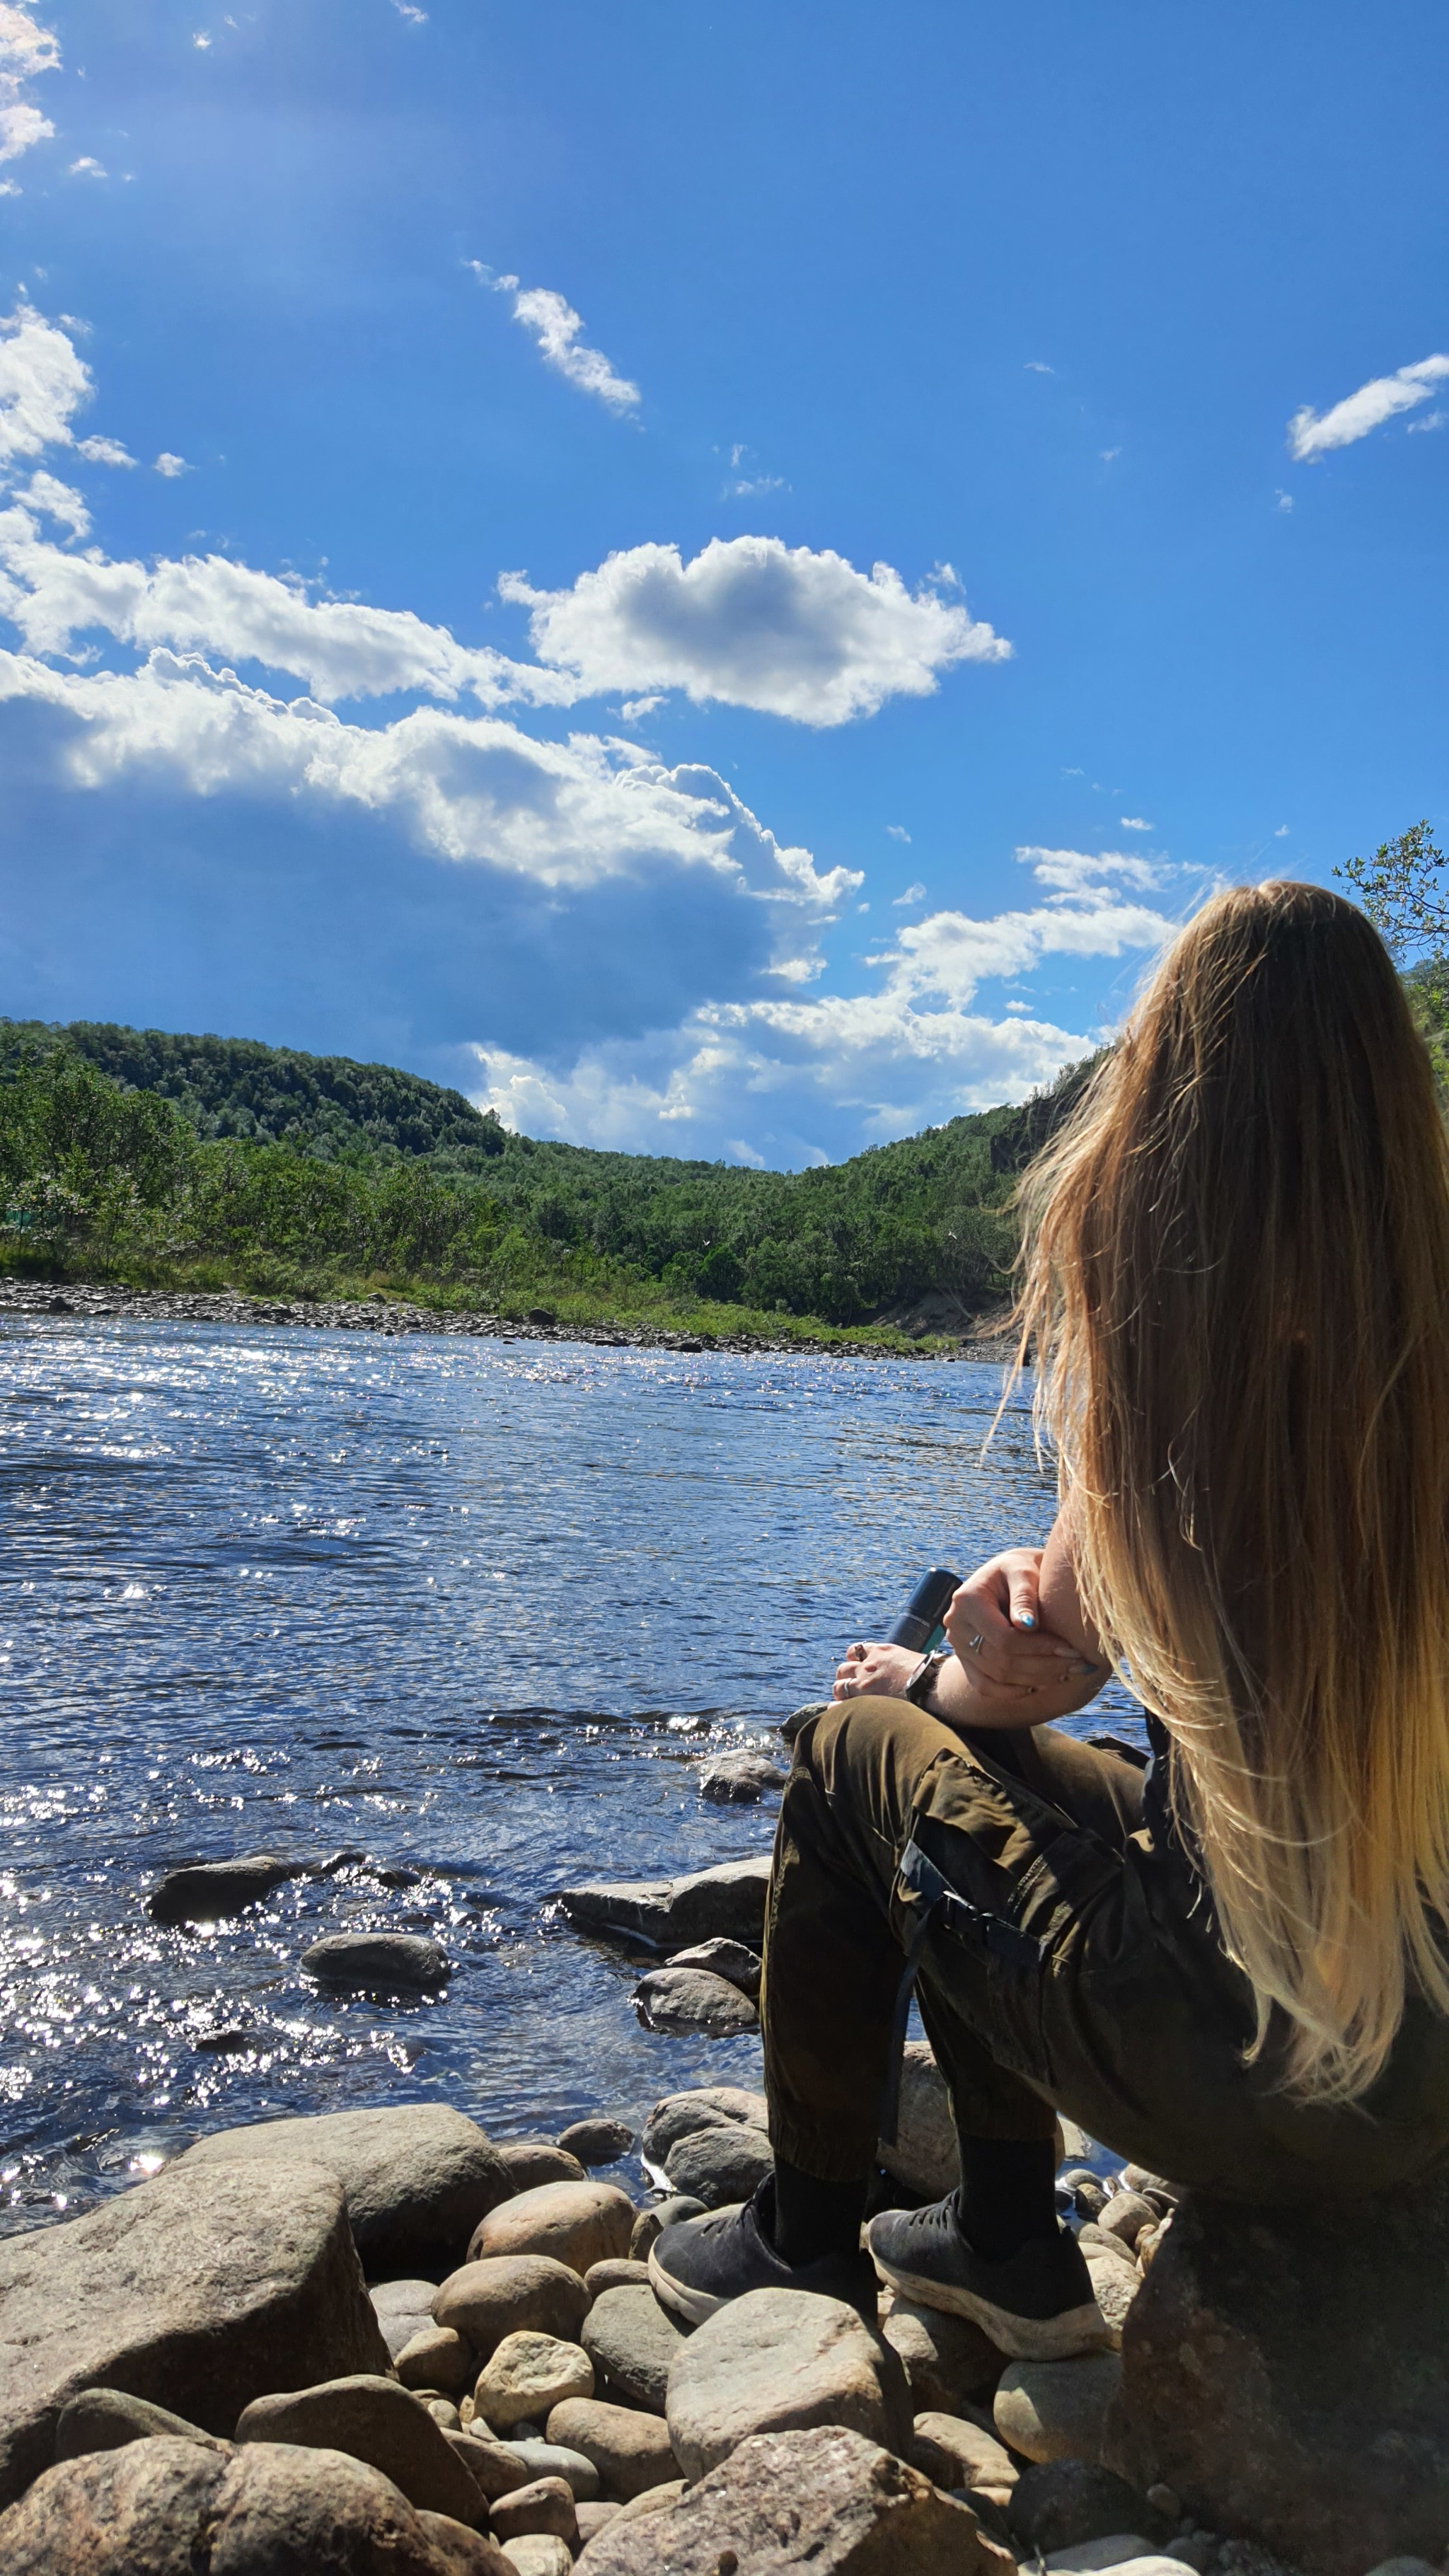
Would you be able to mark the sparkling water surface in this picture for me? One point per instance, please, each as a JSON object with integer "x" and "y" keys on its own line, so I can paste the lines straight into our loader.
{"x": 476, "y": 1608}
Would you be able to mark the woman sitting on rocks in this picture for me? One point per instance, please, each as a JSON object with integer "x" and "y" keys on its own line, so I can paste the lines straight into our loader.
{"x": 1229, "y": 1966}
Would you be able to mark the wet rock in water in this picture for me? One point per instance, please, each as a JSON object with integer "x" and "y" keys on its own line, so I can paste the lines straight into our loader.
{"x": 739, "y": 1779}
{"x": 437, "y": 2357}
{"x": 556, "y": 2460}
{"x": 676, "y": 1999}
{"x": 545, "y": 2504}
{"x": 705, "y": 2106}
{"x": 1062, "y": 2502}
{"x": 651, "y": 2223}
{"x": 1286, "y": 2372}
{"x": 532, "y": 2161}
{"x": 371, "y": 2419}
{"x": 103, "y": 2419}
{"x": 923, "y": 2154}
{"x": 578, "y": 2223}
{"x": 957, "y": 2453}
{"x": 417, "y": 2180}
{"x": 1125, "y": 2215}
{"x": 174, "y": 2509}
{"x": 949, "y": 2361}
{"x": 214, "y": 1891}
{"x": 529, "y": 2374}
{"x": 597, "y": 2142}
{"x": 631, "y": 2452}
{"x": 827, "y": 2499}
{"x": 1057, "y": 2410}
{"x": 512, "y": 2294}
{"x": 719, "y": 2166}
{"x": 731, "y": 1960}
{"x": 194, "y": 2290}
{"x": 381, "y": 1962}
{"x": 631, "y": 2342}
{"x": 729, "y": 1899}
{"x": 616, "y": 2272}
{"x": 776, "y": 2361}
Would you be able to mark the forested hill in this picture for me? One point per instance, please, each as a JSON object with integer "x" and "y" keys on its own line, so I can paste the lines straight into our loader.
{"x": 916, "y": 1228}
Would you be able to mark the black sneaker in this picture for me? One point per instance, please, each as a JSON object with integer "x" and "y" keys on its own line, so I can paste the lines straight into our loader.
{"x": 703, "y": 2262}
{"x": 1038, "y": 2305}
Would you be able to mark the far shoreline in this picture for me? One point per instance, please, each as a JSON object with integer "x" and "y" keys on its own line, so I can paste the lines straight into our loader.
{"x": 112, "y": 1301}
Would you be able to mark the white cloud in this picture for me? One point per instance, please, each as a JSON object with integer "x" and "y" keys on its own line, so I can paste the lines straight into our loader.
{"x": 1311, "y": 434}
{"x": 171, "y": 466}
{"x": 913, "y": 894}
{"x": 1134, "y": 823}
{"x": 1038, "y": 367}
{"x": 58, "y": 501}
{"x": 1284, "y": 500}
{"x": 103, "y": 451}
{"x": 1431, "y": 420}
{"x": 415, "y": 17}
{"x": 753, "y": 623}
{"x": 42, "y": 383}
{"x": 26, "y": 50}
{"x": 202, "y": 44}
{"x": 898, "y": 832}
{"x": 1075, "y": 873}
{"x": 556, "y": 327}
{"x": 87, "y": 167}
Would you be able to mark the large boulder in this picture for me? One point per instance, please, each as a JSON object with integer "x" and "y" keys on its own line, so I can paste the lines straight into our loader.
{"x": 199, "y": 2291}
{"x": 923, "y": 2154}
{"x": 1057, "y": 2410}
{"x": 705, "y": 2106}
{"x": 170, "y": 2508}
{"x": 826, "y": 2499}
{"x": 1287, "y": 2374}
{"x": 778, "y": 2361}
{"x": 728, "y": 1900}
{"x": 376, "y": 2420}
{"x": 418, "y": 2179}
{"x": 378, "y": 1962}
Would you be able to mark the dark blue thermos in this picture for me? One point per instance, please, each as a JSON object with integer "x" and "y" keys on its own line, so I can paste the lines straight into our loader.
{"x": 919, "y": 1624}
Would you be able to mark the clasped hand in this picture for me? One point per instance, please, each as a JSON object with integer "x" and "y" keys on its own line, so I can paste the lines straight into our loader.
{"x": 994, "y": 1629}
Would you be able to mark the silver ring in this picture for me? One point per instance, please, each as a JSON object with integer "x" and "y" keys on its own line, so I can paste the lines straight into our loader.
{"x": 974, "y": 1643}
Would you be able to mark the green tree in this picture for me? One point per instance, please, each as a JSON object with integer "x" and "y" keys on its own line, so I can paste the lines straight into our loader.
{"x": 1402, "y": 890}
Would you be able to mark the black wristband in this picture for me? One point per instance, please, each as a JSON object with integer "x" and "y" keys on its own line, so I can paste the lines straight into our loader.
{"x": 923, "y": 1680}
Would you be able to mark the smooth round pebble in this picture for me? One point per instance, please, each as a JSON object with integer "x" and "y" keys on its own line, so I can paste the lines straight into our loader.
{"x": 555, "y": 2460}
{"x": 538, "y": 2553}
{"x": 511, "y": 2294}
{"x": 528, "y": 2375}
{"x": 597, "y": 2142}
{"x": 532, "y": 2161}
{"x": 577, "y": 2223}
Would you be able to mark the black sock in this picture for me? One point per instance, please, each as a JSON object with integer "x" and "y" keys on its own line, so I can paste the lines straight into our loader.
{"x": 1008, "y": 2193}
{"x": 812, "y": 2218}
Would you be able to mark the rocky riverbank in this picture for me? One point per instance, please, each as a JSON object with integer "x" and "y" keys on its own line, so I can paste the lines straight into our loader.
{"x": 389, "y": 1315}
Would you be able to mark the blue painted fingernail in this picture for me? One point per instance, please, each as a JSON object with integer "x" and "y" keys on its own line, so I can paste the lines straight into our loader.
{"x": 1028, "y": 1618}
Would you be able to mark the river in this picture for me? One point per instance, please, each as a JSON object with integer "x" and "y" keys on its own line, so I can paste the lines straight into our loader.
{"x": 474, "y": 1607}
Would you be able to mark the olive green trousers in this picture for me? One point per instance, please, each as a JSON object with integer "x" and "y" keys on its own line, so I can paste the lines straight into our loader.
{"x": 1074, "y": 1967}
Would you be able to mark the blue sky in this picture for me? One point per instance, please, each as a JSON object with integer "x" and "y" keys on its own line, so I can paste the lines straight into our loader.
{"x": 718, "y": 577}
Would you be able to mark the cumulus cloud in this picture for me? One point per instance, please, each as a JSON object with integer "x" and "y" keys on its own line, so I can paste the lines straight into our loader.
{"x": 169, "y": 465}
{"x": 103, "y": 451}
{"x": 898, "y": 832}
{"x": 42, "y": 384}
{"x": 1312, "y": 434}
{"x": 87, "y": 167}
{"x": 26, "y": 50}
{"x": 1134, "y": 823}
{"x": 753, "y": 623}
{"x": 45, "y": 494}
{"x": 557, "y": 328}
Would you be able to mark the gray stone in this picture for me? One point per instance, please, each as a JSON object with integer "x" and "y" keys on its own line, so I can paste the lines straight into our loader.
{"x": 728, "y": 1959}
{"x": 436, "y": 2357}
{"x": 706, "y": 2106}
{"x": 512, "y": 2294}
{"x": 1062, "y": 2502}
{"x": 719, "y": 2166}
{"x": 379, "y": 1962}
{"x": 825, "y": 2499}
{"x": 371, "y": 2419}
{"x": 631, "y": 2452}
{"x": 1116, "y": 2286}
{"x": 592, "y": 2518}
{"x": 729, "y": 1899}
{"x": 528, "y": 2374}
{"x": 677, "y": 1999}
{"x": 529, "y": 2162}
{"x": 923, "y": 2154}
{"x": 441, "y": 2409}
{"x": 1125, "y": 2216}
{"x": 1057, "y": 2410}
{"x": 777, "y": 2361}
{"x": 545, "y": 2504}
{"x": 631, "y": 2342}
{"x": 1287, "y": 2372}
{"x": 949, "y": 2361}
{"x": 495, "y": 2468}
{"x": 556, "y": 2460}
{"x": 214, "y": 1891}
{"x": 740, "y": 1779}
{"x": 197, "y": 2291}
{"x": 170, "y": 2508}
{"x": 598, "y": 2142}
{"x": 102, "y": 2419}
{"x": 957, "y": 2453}
{"x": 417, "y": 2179}
{"x": 652, "y": 2222}
{"x": 578, "y": 2223}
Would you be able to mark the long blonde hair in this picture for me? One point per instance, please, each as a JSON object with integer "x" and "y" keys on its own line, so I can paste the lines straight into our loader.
{"x": 1236, "y": 1277}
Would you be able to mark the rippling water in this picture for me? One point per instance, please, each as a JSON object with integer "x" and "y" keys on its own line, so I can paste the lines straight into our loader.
{"x": 474, "y": 1607}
